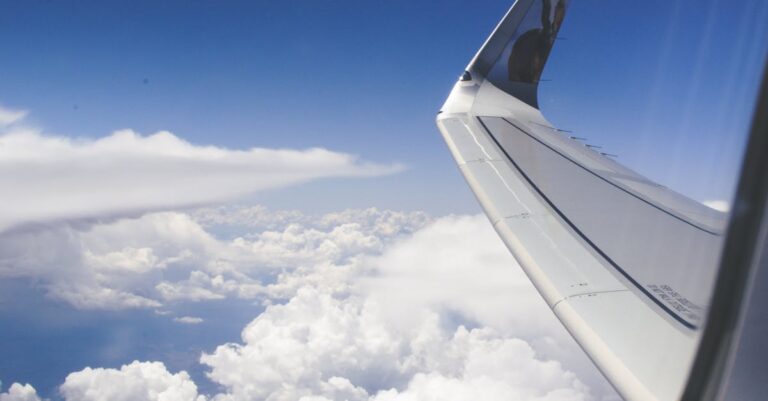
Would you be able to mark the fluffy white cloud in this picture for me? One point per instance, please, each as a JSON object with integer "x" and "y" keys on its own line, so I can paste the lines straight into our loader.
{"x": 360, "y": 305}
{"x": 127, "y": 263}
{"x": 202, "y": 287}
{"x": 392, "y": 327}
{"x": 299, "y": 349}
{"x": 458, "y": 263}
{"x": 491, "y": 368}
{"x": 436, "y": 387}
{"x": 292, "y": 350}
{"x": 19, "y": 392}
{"x": 106, "y": 266}
{"x": 48, "y": 178}
{"x": 137, "y": 381}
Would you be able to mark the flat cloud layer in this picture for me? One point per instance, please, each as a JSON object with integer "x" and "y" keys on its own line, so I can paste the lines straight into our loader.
{"x": 47, "y": 178}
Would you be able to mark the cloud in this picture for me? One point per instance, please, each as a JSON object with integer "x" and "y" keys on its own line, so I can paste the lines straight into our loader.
{"x": 65, "y": 203}
{"x": 106, "y": 266}
{"x": 459, "y": 263}
{"x": 295, "y": 350}
{"x": 188, "y": 320}
{"x": 17, "y": 391}
{"x": 49, "y": 179}
{"x": 8, "y": 116}
{"x": 137, "y": 381}
{"x": 398, "y": 329}
{"x": 200, "y": 287}
{"x": 169, "y": 257}
{"x": 359, "y": 305}
{"x": 250, "y": 216}
{"x": 491, "y": 367}
{"x": 437, "y": 387}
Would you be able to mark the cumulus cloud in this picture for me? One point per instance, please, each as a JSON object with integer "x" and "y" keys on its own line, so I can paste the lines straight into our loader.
{"x": 107, "y": 266}
{"x": 298, "y": 349}
{"x": 170, "y": 257}
{"x": 458, "y": 263}
{"x": 359, "y": 305}
{"x": 398, "y": 330}
{"x": 17, "y": 391}
{"x": 491, "y": 367}
{"x": 137, "y": 381}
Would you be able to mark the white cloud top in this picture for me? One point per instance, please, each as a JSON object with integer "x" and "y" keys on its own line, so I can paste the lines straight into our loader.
{"x": 295, "y": 350}
{"x": 121, "y": 264}
{"x": 19, "y": 392}
{"x": 361, "y": 306}
{"x": 138, "y": 381}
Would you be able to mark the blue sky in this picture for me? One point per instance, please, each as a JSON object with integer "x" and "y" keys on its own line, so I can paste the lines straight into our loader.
{"x": 368, "y": 77}
{"x": 44, "y": 346}
{"x": 668, "y": 87}
{"x": 358, "y": 77}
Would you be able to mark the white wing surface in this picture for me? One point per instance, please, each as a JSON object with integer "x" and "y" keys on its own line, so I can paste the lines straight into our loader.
{"x": 626, "y": 264}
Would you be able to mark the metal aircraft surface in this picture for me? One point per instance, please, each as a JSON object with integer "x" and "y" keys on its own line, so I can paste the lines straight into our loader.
{"x": 630, "y": 267}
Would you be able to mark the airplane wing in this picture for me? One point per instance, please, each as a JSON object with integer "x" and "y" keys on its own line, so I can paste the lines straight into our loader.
{"x": 626, "y": 264}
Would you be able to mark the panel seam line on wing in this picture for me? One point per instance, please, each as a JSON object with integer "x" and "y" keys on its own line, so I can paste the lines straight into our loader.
{"x": 594, "y": 246}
